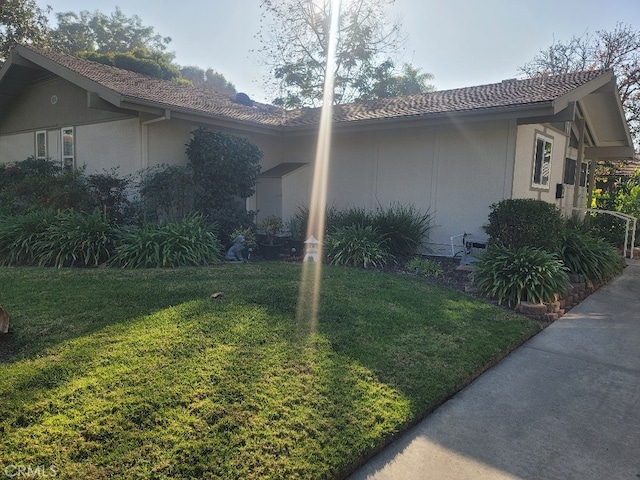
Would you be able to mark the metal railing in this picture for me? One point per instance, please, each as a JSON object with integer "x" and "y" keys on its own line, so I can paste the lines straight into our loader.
{"x": 631, "y": 224}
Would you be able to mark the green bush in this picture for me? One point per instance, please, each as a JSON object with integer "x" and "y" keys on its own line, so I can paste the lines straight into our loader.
{"x": 518, "y": 223}
{"x": 19, "y": 235}
{"x": 358, "y": 246}
{"x": 513, "y": 275}
{"x": 404, "y": 226}
{"x": 76, "y": 239}
{"x": 57, "y": 239}
{"x": 33, "y": 184}
{"x": 188, "y": 242}
{"x": 425, "y": 267}
{"x": 590, "y": 256}
{"x": 166, "y": 192}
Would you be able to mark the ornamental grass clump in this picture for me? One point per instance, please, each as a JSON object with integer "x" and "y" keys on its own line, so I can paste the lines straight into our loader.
{"x": 189, "y": 242}
{"x": 77, "y": 239}
{"x": 589, "y": 256}
{"x": 514, "y": 275}
{"x": 357, "y": 246}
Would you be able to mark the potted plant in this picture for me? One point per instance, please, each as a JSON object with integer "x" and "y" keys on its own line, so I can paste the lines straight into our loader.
{"x": 270, "y": 226}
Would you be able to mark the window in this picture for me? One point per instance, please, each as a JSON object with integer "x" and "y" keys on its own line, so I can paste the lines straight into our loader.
{"x": 542, "y": 162}
{"x": 68, "y": 157}
{"x": 584, "y": 174}
{"x": 569, "y": 171}
{"x": 41, "y": 145}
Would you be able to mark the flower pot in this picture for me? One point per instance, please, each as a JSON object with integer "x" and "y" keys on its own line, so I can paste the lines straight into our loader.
{"x": 270, "y": 252}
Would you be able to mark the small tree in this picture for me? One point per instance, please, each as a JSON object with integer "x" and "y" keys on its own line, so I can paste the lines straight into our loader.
{"x": 225, "y": 173}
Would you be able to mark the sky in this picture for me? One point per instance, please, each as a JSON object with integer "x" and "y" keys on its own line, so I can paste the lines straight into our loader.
{"x": 461, "y": 42}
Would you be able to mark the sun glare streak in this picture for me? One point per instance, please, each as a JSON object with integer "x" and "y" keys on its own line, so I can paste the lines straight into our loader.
{"x": 310, "y": 284}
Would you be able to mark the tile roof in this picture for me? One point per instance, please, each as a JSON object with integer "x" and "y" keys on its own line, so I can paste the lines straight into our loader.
{"x": 140, "y": 88}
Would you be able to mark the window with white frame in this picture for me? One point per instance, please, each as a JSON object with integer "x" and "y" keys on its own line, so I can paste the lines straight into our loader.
{"x": 41, "y": 145}
{"x": 68, "y": 150}
{"x": 542, "y": 162}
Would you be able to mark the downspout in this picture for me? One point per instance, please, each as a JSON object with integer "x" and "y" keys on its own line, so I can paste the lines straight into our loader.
{"x": 144, "y": 143}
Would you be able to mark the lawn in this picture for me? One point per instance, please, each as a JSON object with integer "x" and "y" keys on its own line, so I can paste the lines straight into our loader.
{"x": 142, "y": 374}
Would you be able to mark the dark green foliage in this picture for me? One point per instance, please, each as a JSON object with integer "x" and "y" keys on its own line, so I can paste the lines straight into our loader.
{"x": 57, "y": 239}
{"x": 358, "y": 246}
{"x": 518, "y": 223}
{"x": 404, "y": 226}
{"x": 225, "y": 172}
{"x": 109, "y": 193}
{"x": 588, "y": 255}
{"x": 188, "y": 242}
{"x": 77, "y": 239}
{"x": 166, "y": 192}
{"x": 19, "y": 235}
{"x": 37, "y": 183}
{"x": 140, "y": 60}
{"x": 512, "y": 275}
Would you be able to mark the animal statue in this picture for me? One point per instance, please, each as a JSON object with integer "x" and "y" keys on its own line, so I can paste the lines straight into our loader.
{"x": 234, "y": 254}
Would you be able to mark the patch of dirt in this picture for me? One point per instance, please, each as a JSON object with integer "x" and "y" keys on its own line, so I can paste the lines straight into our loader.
{"x": 452, "y": 276}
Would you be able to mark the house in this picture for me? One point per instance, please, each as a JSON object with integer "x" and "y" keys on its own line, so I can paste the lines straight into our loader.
{"x": 453, "y": 153}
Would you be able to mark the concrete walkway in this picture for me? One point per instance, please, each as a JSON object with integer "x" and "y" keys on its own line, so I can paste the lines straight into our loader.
{"x": 565, "y": 405}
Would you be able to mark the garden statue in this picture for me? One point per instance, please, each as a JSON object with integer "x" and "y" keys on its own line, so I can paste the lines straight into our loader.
{"x": 234, "y": 254}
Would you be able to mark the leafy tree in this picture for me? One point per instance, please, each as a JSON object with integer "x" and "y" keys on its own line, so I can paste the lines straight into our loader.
{"x": 618, "y": 50}
{"x": 207, "y": 80}
{"x": 116, "y": 40}
{"x": 97, "y": 32}
{"x": 295, "y": 39}
{"x": 386, "y": 83}
{"x": 22, "y": 21}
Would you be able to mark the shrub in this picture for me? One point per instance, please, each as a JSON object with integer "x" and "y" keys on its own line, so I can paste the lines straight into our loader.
{"x": 76, "y": 239}
{"x": 518, "y": 223}
{"x": 110, "y": 194}
{"x": 33, "y": 183}
{"x": 585, "y": 254}
{"x": 19, "y": 234}
{"x": 167, "y": 192}
{"x": 404, "y": 226}
{"x": 189, "y": 242}
{"x": 425, "y": 267}
{"x": 513, "y": 275}
{"x": 225, "y": 172}
{"x": 358, "y": 246}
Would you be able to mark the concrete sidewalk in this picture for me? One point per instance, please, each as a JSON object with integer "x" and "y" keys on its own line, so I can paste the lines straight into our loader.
{"x": 565, "y": 405}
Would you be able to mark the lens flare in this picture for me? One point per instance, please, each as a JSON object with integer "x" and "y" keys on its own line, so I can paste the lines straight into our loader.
{"x": 310, "y": 283}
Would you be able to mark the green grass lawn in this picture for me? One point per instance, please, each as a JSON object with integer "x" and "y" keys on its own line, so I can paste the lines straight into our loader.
{"x": 141, "y": 374}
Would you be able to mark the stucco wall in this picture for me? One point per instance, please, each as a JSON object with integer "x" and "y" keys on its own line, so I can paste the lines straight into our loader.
{"x": 36, "y": 110}
{"x": 525, "y": 150}
{"x": 16, "y": 147}
{"x": 107, "y": 145}
{"x": 454, "y": 172}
